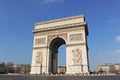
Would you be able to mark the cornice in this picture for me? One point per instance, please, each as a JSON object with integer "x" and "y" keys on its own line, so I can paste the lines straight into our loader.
{"x": 59, "y": 20}
{"x": 59, "y": 27}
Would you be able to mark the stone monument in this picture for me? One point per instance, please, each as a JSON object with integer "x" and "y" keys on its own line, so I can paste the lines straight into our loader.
{"x": 50, "y": 35}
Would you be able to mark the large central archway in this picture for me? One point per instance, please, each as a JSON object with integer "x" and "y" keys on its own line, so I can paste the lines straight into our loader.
{"x": 54, "y": 45}
{"x": 50, "y": 35}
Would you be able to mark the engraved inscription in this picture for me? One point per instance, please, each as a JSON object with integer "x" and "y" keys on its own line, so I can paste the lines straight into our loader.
{"x": 40, "y": 41}
{"x": 76, "y": 37}
{"x": 77, "y": 56}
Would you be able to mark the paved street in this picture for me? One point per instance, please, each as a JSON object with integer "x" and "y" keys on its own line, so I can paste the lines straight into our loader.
{"x": 13, "y": 77}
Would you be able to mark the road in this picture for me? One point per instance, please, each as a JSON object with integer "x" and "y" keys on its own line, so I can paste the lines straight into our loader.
{"x": 19, "y": 77}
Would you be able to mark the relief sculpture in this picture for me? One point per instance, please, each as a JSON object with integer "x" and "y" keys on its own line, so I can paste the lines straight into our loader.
{"x": 39, "y": 57}
{"x": 76, "y": 37}
{"x": 40, "y": 41}
{"x": 77, "y": 56}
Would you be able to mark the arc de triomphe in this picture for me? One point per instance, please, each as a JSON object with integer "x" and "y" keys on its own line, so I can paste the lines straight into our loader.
{"x": 50, "y": 35}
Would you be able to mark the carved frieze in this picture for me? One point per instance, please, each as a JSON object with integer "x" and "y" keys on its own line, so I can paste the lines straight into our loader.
{"x": 60, "y": 26}
{"x": 40, "y": 41}
{"x": 39, "y": 57}
{"x": 59, "y": 31}
{"x": 77, "y": 56}
{"x": 76, "y": 37}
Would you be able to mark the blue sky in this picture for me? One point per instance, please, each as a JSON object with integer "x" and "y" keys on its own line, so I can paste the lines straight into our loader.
{"x": 17, "y": 19}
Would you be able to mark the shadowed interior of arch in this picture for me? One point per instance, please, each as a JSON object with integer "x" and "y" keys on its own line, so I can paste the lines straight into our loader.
{"x": 54, "y": 46}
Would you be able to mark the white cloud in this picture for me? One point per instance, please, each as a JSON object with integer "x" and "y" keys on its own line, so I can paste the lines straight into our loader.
{"x": 51, "y": 1}
{"x": 116, "y": 52}
{"x": 118, "y": 38}
{"x": 112, "y": 21}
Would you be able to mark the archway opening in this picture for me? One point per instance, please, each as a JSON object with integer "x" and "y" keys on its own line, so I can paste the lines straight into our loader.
{"x": 53, "y": 57}
{"x": 62, "y": 59}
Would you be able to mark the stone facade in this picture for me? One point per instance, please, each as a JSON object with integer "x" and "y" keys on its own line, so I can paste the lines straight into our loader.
{"x": 109, "y": 68}
{"x": 49, "y": 35}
